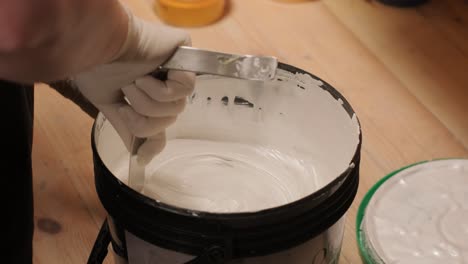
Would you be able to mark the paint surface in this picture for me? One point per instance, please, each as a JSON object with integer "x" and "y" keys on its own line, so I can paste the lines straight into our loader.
{"x": 420, "y": 215}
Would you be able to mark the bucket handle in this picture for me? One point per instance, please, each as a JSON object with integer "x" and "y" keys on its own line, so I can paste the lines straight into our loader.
{"x": 212, "y": 255}
{"x": 99, "y": 251}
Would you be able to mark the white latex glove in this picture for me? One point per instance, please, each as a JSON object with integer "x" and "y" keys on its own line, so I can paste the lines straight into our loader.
{"x": 154, "y": 104}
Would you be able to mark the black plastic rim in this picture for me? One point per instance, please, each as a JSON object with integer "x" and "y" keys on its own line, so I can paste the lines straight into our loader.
{"x": 239, "y": 234}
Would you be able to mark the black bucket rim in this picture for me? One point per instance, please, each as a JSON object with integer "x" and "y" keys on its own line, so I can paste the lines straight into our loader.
{"x": 301, "y": 205}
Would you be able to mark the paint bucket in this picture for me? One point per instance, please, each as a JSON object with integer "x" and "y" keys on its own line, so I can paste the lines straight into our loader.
{"x": 297, "y": 112}
{"x": 416, "y": 214}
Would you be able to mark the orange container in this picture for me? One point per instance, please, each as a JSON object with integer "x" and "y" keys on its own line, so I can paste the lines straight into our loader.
{"x": 189, "y": 13}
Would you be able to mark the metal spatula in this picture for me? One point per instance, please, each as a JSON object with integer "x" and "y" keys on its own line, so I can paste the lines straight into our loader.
{"x": 259, "y": 68}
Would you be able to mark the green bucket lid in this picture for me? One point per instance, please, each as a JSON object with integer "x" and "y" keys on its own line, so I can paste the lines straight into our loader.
{"x": 417, "y": 214}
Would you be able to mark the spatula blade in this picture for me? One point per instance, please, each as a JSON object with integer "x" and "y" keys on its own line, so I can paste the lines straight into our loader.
{"x": 261, "y": 68}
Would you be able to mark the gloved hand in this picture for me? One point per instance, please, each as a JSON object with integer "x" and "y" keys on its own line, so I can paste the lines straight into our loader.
{"x": 153, "y": 104}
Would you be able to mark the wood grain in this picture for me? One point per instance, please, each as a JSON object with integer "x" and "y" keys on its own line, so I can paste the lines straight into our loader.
{"x": 403, "y": 70}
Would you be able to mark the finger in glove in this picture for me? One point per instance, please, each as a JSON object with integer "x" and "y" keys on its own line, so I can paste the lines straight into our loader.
{"x": 152, "y": 147}
{"x": 143, "y": 126}
{"x": 178, "y": 85}
{"x": 147, "y": 106}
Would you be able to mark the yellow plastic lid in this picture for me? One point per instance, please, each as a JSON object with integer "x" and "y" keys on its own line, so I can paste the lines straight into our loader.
{"x": 189, "y": 13}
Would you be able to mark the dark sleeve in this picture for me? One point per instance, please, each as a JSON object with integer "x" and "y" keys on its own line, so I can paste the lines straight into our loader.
{"x": 68, "y": 91}
{"x": 16, "y": 134}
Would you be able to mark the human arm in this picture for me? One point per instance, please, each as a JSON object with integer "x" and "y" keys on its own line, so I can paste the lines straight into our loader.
{"x": 47, "y": 40}
{"x": 108, "y": 52}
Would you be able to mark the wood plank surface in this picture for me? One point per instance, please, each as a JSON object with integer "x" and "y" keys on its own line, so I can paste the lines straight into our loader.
{"x": 404, "y": 71}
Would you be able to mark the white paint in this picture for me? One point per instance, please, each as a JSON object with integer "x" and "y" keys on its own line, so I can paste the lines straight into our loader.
{"x": 420, "y": 215}
{"x": 225, "y": 177}
{"x": 310, "y": 134}
{"x": 253, "y": 67}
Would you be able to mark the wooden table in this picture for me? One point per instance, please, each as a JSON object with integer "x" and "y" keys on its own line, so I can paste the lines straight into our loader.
{"x": 405, "y": 72}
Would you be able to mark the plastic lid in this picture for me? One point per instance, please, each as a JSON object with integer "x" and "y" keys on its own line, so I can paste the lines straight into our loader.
{"x": 189, "y": 13}
{"x": 418, "y": 214}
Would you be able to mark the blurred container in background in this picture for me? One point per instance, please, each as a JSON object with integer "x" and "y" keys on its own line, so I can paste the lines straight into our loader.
{"x": 189, "y": 13}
